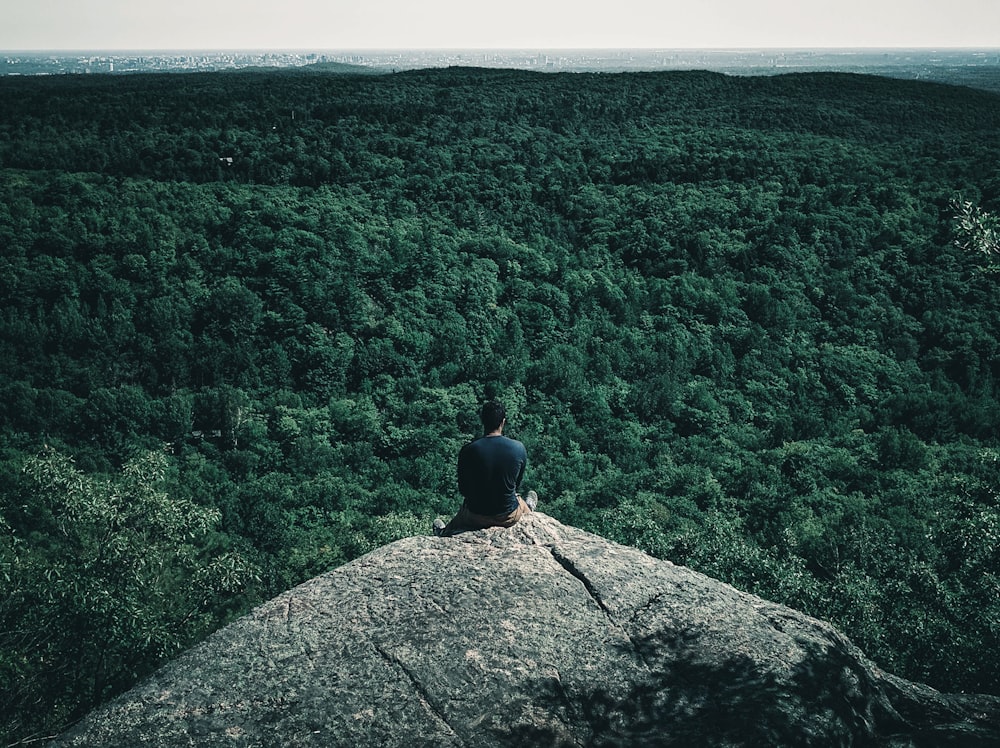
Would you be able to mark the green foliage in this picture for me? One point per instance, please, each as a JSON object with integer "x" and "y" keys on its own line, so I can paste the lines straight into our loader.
{"x": 102, "y": 579}
{"x": 734, "y": 321}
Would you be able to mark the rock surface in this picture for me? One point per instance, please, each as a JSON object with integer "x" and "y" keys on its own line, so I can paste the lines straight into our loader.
{"x": 538, "y": 635}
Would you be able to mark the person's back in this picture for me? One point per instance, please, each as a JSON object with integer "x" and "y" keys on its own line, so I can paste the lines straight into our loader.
{"x": 489, "y": 472}
{"x": 490, "y": 469}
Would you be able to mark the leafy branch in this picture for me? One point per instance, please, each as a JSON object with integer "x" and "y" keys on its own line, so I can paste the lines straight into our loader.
{"x": 977, "y": 230}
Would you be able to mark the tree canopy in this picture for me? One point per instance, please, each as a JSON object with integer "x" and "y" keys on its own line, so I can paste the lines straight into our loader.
{"x": 246, "y": 321}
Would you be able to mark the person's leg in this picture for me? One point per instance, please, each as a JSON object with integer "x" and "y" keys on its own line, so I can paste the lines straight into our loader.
{"x": 466, "y": 520}
{"x": 461, "y": 521}
{"x": 509, "y": 520}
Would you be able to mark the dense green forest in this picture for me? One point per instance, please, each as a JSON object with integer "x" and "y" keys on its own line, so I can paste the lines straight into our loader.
{"x": 247, "y": 319}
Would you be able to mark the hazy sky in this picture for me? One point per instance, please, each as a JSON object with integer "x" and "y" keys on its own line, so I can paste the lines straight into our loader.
{"x": 361, "y": 24}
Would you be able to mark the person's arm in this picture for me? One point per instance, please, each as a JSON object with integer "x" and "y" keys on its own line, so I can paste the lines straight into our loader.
{"x": 524, "y": 466}
{"x": 463, "y": 471}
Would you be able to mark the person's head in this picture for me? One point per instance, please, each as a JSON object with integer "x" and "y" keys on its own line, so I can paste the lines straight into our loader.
{"x": 492, "y": 415}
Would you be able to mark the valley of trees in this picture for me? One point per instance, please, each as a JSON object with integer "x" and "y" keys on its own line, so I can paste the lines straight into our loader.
{"x": 749, "y": 325}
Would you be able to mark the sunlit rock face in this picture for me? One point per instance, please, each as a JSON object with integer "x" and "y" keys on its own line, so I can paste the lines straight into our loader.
{"x": 538, "y": 635}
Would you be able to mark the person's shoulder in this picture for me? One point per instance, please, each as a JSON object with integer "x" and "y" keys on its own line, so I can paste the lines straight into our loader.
{"x": 515, "y": 443}
{"x": 473, "y": 446}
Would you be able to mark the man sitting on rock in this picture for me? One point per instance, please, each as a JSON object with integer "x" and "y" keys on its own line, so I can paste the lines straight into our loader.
{"x": 490, "y": 470}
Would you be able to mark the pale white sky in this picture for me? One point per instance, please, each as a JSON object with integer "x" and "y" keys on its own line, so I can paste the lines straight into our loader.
{"x": 388, "y": 24}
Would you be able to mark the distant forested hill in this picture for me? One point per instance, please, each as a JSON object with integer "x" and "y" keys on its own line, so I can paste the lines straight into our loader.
{"x": 246, "y": 320}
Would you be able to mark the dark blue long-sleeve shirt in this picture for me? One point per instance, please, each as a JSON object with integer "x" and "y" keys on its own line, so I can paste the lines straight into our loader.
{"x": 489, "y": 471}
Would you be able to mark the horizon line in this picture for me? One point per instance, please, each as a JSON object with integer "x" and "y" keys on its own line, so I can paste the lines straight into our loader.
{"x": 150, "y": 50}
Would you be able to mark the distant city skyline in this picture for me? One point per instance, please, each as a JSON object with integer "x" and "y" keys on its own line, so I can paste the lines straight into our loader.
{"x": 515, "y": 24}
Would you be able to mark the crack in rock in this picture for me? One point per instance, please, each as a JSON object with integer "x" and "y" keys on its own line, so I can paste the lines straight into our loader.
{"x": 574, "y": 709}
{"x": 569, "y": 566}
{"x": 422, "y": 693}
{"x": 575, "y": 572}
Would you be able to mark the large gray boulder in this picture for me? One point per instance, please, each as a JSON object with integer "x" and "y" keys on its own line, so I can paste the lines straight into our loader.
{"x": 538, "y": 635}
